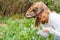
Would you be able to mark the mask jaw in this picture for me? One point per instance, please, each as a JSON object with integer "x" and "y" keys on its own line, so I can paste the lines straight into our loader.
{"x": 30, "y": 15}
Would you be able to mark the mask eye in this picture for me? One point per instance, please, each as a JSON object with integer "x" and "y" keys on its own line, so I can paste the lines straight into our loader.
{"x": 35, "y": 10}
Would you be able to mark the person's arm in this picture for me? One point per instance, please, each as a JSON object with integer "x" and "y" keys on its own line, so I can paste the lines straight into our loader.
{"x": 51, "y": 31}
{"x": 40, "y": 32}
{"x": 55, "y": 32}
{"x": 44, "y": 34}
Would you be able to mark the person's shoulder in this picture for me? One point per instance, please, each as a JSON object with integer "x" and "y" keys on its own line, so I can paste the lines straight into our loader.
{"x": 54, "y": 14}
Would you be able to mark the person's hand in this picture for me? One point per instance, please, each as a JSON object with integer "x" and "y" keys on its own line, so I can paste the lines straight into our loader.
{"x": 46, "y": 29}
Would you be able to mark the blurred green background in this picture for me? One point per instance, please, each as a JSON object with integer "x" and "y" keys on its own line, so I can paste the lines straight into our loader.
{"x": 13, "y": 24}
{"x": 11, "y": 7}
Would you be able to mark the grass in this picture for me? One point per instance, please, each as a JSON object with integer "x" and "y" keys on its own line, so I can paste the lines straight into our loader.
{"x": 19, "y": 29}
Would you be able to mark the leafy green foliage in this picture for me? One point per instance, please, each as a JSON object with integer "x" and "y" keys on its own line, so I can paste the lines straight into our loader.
{"x": 19, "y": 30}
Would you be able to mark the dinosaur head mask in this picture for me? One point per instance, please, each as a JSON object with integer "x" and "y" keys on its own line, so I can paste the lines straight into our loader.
{"x": 40, "y": 11}
{"x": 33, "y": 10}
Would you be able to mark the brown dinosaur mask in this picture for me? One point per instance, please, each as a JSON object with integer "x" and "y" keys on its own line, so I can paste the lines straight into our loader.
{"x": 40, "y": 10}
{"x": 34, "y": 9}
